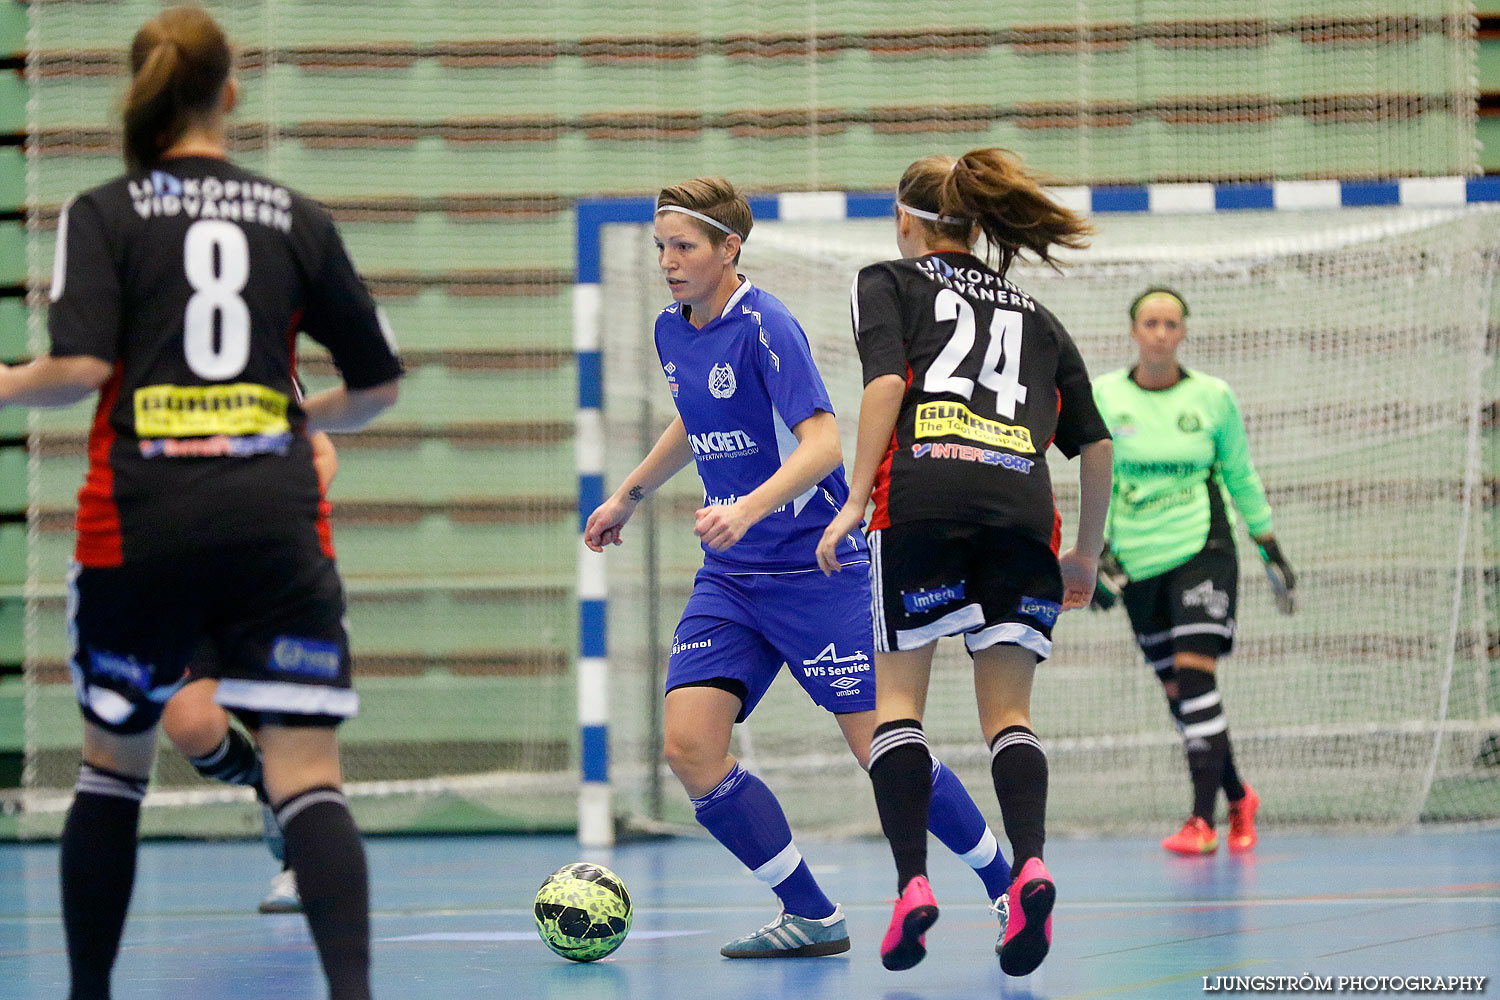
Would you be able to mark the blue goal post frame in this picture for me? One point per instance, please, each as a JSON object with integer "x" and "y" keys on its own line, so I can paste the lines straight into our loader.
{"x": 595, "y": 810}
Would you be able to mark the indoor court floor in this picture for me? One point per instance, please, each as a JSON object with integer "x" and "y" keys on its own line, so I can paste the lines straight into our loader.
{"x": 452, "y": 919}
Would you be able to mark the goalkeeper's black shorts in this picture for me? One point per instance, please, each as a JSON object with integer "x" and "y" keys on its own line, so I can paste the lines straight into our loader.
{"x": 1189, "y": 609}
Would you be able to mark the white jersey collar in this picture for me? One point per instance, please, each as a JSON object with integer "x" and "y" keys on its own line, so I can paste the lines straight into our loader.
{"x": 739, "y": 293}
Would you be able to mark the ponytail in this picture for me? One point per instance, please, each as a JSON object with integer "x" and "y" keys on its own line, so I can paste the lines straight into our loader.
{"x": 179, "y": 63}
{"x": 991, "y": 188}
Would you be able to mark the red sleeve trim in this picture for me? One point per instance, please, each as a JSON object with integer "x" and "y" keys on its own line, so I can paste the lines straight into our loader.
{"x": 100, "y": 542}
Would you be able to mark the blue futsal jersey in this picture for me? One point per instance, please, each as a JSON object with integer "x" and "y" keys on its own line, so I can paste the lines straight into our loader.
{"x": 741, "y": 384}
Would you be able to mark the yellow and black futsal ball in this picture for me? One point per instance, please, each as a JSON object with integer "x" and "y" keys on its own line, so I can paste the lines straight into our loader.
{"x": 583, "y": 911}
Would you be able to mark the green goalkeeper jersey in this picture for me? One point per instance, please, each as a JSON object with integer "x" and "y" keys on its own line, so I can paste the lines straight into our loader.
{"x": 1179, "y": 452}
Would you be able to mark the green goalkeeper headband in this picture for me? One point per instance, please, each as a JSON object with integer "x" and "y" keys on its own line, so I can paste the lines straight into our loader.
{"x": 1152, "y": 293}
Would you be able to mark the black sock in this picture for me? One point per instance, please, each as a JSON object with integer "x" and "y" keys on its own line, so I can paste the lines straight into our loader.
{"x": 324, "y": 849}
{"x": 1205, "y": 735}
{"x": 1018, "y": 765}
{"x": 234, "y": 761}
{"x": 901, "y": 771}
{"x": 1167, "y": 675}
{"x": 98, "y": 872}
{"x": 1234, "y": 788}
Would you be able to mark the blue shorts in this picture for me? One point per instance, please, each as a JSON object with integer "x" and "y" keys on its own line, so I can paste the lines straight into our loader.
{"x": 743, "y": 627}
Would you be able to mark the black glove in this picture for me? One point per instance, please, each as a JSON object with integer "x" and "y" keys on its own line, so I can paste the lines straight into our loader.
{"x": 1279, "y": 573}
{"x": 1112, "y": 580}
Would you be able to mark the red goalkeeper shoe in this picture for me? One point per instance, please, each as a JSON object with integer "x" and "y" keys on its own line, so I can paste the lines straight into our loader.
{"x": 1242, "y": 834}
{"x": 1195, "y": 837}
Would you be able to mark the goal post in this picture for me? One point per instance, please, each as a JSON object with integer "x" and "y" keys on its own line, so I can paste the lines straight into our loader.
{"x": 1351, "y": 318}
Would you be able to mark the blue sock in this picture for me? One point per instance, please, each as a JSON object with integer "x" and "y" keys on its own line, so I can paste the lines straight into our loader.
{"x": 957, "y": 822}
{"x": 745, "y": 817}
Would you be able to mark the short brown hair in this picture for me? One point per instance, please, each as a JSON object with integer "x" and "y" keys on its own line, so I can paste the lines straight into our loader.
{"x": 991, "y": 188}
{"x": 716, "y": 198}
{"x": 179, "y": 63}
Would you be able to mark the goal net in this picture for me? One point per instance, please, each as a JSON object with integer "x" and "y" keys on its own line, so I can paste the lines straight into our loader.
{"x": 452, "y": 140}
{"x": 1356, "y": 341}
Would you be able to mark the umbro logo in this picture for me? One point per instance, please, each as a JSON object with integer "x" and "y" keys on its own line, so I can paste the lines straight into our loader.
{"x": 845, "y": 683}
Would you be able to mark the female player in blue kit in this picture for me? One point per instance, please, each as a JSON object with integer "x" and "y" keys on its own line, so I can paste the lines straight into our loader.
{"x": 754, "y": 415}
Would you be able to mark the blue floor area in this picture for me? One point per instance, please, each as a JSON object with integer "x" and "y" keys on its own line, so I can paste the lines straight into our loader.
{"x": 453, "y": 920}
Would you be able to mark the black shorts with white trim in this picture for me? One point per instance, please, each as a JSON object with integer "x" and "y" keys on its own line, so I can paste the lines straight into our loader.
{"x": 266, "y": 621}
{"x": 1189, "y": 609}
{"x": 991, "y": 585}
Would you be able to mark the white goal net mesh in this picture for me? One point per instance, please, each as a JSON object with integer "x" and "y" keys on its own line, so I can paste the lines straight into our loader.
{"x": 1358, "y": 343}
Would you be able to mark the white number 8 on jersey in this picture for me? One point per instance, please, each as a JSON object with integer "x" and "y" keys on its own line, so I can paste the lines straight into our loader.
{"x": 216, "y": 292}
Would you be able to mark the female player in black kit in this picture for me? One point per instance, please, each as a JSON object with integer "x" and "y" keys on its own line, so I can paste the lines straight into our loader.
{"x": 967, "y": 381}
{"x": 177, "y": 291}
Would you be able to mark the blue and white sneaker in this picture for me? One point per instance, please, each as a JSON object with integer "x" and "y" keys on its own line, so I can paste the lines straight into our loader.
{"x": 790, "y": 936}
{"x": 1001, "y": 909}
{"x": 283, "y": 897}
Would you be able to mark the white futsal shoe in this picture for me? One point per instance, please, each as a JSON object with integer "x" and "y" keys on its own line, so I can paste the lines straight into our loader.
{"x": 283, "y": 896}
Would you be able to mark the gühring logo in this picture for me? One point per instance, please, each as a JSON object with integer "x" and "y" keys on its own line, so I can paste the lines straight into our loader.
{"x": 722, "y": 444}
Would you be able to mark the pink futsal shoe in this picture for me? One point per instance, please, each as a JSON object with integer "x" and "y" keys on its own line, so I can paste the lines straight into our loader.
{"x": 1028, "y": 925}
{"x": 905, "y": 942}
{"x": 1242, "y": 836}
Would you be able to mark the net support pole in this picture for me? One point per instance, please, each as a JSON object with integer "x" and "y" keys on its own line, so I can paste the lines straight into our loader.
{"x": 595, "y": 805}
{"x": 595, "y": 814}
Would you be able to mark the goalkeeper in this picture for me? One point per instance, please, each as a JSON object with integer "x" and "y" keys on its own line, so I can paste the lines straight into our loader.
{"x": 1180, "y": 454}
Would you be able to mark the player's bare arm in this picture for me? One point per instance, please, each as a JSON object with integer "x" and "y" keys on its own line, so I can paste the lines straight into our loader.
{"x": 343, "y": 409}
{"x": 878, "y": 409}
{"x": 52, "y": 381}
{"x": 1080, "y": 564}
{"x": 817, "y": 454}
{"x": 666, "y": 458}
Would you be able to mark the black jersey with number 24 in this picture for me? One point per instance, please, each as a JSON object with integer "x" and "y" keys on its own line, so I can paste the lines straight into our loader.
{"x": 193, "y": 280}
{"x": 992, "y": 378}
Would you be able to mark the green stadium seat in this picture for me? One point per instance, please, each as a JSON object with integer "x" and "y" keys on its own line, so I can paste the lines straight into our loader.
{"x": 12, "y": 626}
{"x": 12, "y": 253}
{"x": 12, "y": 176}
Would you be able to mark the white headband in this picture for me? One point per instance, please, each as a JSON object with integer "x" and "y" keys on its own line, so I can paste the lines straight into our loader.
{"x": 698, "y": 215}
{"x": 931, "y": 216}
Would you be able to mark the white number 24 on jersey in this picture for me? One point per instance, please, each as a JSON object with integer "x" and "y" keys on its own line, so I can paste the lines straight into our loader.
{"x": 1005, "y": 343}
{"x": 216, "y": 292}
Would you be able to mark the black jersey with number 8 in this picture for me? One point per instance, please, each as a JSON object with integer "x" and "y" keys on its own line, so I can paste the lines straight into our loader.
{"x": 992, "y": 378}
{"x": 193, "y": 280}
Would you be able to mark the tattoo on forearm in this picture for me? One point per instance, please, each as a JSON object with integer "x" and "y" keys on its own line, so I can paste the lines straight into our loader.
{"x": 637, "y": 494}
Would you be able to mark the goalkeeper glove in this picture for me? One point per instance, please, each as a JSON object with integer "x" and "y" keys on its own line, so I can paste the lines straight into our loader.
{"x": 1112, "y": 580}
{"x": 1279, "y": 573}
